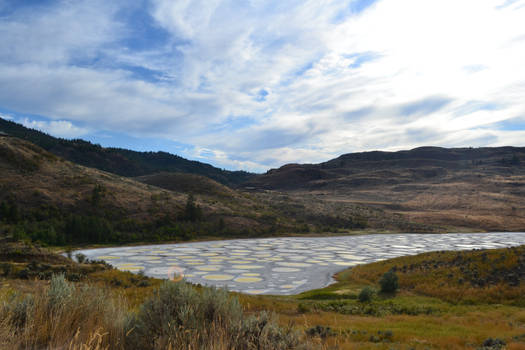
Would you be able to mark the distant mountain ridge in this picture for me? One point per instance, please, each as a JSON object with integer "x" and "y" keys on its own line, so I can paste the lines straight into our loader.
{"x": 121, "y": 161}
{"x": 423, "y": 162}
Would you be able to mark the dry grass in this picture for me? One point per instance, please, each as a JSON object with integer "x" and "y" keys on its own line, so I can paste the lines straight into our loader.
{"x": 63, "y": 314}
{"x": 66, "y": 315}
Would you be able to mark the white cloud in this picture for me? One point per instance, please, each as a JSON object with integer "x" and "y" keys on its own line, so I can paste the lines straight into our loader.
{"x": 401, "y": 74}
{"x": 58, "y": 128}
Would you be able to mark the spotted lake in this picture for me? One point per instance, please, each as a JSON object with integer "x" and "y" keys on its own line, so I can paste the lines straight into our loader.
{"x": 285, "y": 265}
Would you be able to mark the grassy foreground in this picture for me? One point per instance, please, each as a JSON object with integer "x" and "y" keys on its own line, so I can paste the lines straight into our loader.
{"x": 445, "y": 300}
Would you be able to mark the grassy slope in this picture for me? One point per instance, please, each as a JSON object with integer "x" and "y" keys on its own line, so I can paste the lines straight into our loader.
{"x": 35, "y": 179}
{"x": 448, "y": 300}
{"x": 431, "y": 309}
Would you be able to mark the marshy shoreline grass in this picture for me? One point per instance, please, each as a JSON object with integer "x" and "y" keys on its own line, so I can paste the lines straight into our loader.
{"x": 452, "y": 300}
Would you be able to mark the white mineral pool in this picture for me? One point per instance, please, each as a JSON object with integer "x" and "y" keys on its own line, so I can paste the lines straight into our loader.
{"x": 285, "y": 265}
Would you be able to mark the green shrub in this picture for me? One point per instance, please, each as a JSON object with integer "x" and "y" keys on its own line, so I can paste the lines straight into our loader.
{"x": 389, "y": 282}
{"x": 179, "y": 317}
{"x": 366, "y": 294}
{"x": 81, "y": 258}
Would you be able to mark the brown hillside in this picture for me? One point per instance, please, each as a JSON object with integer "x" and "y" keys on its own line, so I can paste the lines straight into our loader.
{"x": 464, "y": 188}
{"x": 47, "y": 190}
{"x": 34, "y": 177}
{"x": 186, "y": 183}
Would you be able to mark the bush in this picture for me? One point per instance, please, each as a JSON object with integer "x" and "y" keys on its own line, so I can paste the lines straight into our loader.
{"x": 81, "y": 258}
{"x": 366, "y": 294}
{"x": 179, "y": 317}
{"x": 389, "y": 282}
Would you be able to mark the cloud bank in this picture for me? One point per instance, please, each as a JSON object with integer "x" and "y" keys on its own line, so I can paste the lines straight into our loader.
{"x": 256, "y": 84}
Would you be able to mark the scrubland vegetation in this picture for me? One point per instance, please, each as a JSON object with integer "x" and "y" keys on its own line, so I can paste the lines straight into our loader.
{"x": 438, "y": 302}
{"x": 174, "y": 316}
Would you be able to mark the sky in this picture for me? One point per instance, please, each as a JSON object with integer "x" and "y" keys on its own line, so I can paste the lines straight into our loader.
{"x": 252, "y": 84}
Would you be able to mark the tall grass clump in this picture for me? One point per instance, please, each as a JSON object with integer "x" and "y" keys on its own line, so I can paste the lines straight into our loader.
{"x": 66, "y": 315}
{"x": 179, "y": 317}
{"x": 61, "y": 316}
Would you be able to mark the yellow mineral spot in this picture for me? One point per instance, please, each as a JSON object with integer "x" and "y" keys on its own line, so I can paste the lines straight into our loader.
{"x": 209, "y": 268}
{"x": 218, "y": 277}
{"x": 247, "y": 267}
{"x": 108, "y": 257}
{"x": 247, "y": 279}
{"x": 345, "y": 263}
{"x": 351, "y": 257}
{"x": 132, "y": 268}
{"x": 240, "y": 261}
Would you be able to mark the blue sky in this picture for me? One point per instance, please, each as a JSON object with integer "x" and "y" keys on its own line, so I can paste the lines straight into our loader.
{"x": 256, "y": 84}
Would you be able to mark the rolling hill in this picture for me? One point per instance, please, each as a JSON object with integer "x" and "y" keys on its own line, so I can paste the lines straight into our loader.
{"x": 49, "y": 199}
{"x": 120, "y": 161}
{"x": 458, "y": 188}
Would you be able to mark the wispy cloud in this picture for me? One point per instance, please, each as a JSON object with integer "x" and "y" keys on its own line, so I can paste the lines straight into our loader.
{"x": 256, "y": 84}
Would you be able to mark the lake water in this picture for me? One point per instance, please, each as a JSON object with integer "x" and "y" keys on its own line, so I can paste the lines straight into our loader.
{"x": 285, "y": 265}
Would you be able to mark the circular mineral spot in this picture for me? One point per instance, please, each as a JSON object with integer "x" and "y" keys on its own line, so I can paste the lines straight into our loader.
{"x": 194, "y": 263}
{"x": 262, "y": 255}
{"x": 218, "y": 277}
{"x": 345, "y": 263}
{"x": 251, "y": 274}
{"x": 288, "y": 286}
{"x": 293, "y": 264}
{"x": 108, "y": 257}
{"x": 189, "y": 275}
{"x": 248, "y": 267}
{"x": 285, "y": 269}
{"x": 351, "y": 257}
{"x": 153, "y": 257}
{"x": 208, "y": 254}
{"x": 248, "y": 279}
{"x": 209, "y": 268}
{"x": 131, "y": 268}
{"x": 138, "y": 258}
{"x": 255, "y": 291}
{"x": 240, "y": 261}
